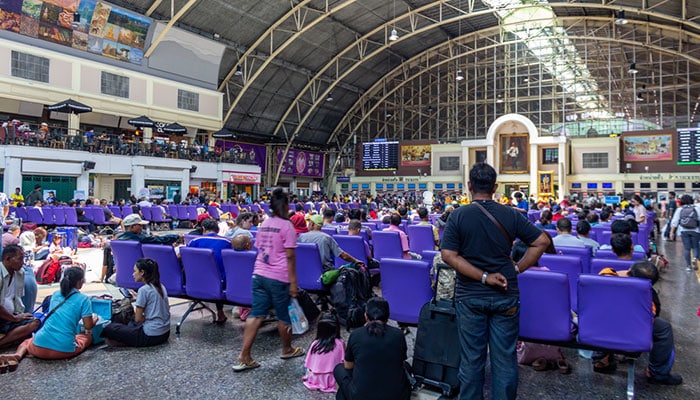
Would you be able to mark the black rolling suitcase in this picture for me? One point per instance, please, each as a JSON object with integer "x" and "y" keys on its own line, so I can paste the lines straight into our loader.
{"x": 436, "y": 352}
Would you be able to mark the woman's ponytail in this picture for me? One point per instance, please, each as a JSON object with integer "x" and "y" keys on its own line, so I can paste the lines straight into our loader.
{"x": 71, "y": 278}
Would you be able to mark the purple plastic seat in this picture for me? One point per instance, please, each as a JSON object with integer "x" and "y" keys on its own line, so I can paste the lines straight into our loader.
{"x": 169, "y": 267}
{"x": 552, "y": 232}
{"x": 429, "y": 256}
{"x": 387, "y": 244}
{"x": 406, "y": 286}
{"x": 608, "y": 327}
{"x": 21, "y": 213}
{"x": 202, "y": 276}
{"x": 48, "y": 216}
{"x": 157, "y": 216}
{"x": 604, "y": 237}
{"x": 330, "y": 231}
{"x": 570, "y": 265}
{"x": 420, "y": 238}
{"x": 545, "y": 305}
{"x": 598, "y": 264}
{"x": 192, "y": 212}
{"x": 607, "y": 253}
{"x": 116, "y": 211}
{"x": 72, "y": 217}
{"x": 182, "y": 214}
{"x": 34, "y": 215}
{"x": 127, "y": 210}
{"x": 585, "y": 253}
{"x": 98, "y": 216}
{"x": 213, "y": 212}
{"x": 353, "y": 245}
{"x": 370, "y": 225}
{"x": 146, "y": 213}
{"x": 59, "y": 216}
{"x": 309, "y": 267}
{"x": 239, "y": 275}
{"x": 126, "y": 253}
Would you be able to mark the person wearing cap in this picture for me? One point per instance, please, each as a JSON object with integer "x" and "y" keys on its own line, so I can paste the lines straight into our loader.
{"x": 34, "y": 196}
{"x": 328, "y": 248}
{"x": 133, "y": 225}
{"x": 556, "y": 213}
{"x": 198, "y": 229}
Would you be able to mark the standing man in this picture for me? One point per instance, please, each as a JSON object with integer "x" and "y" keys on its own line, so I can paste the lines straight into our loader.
{"x": 670, "y": 210}
{"x": 487, "y": 294}
{"x": 17, "y": 197}
{"x": 34, "y": 196}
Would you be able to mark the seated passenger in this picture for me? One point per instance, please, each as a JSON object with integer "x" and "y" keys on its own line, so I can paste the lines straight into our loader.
{"x": 621, "y": 226}
{"x": 583, "y": 228}
{"x": 564, "y": 236}
{"x": 327, "y": 246}
{"x": 15, "y": 324}
{"x": 57, "y": 339}
{"x": 151, "y": 325}
{"x": 662, "y": 354}
{"x": 374, "y": 359}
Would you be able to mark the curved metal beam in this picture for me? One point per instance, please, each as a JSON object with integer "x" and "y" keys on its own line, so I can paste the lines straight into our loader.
{"x": 413, "y": 16}
{"x": 422, "y": 60}
{"x": 170, "y": 24}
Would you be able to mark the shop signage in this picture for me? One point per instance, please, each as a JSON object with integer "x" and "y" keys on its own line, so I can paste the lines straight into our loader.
{"x": 400, "y": 179}
{"x": 243, "y": 178}
{"x": 670, "y": 177}
{"x": 340, "y": 179}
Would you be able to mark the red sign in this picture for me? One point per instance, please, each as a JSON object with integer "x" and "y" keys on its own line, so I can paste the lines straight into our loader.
{"x": 243, "y": 178}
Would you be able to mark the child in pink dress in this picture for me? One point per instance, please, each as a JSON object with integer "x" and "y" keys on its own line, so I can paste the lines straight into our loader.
{"x": 324, "y": 354}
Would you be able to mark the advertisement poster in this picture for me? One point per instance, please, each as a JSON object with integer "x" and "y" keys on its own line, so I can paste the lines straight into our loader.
{"x": 648, "y": 148}
{"x": 415, "y": 155}
{"x": 301, "y": 163}
{"x": 243, "y": 153}
{"x": 79, "y": 195}
{"x": 171, "y": 192}
{"x": 156, "y": 191}
{"x": 102, "y": 28}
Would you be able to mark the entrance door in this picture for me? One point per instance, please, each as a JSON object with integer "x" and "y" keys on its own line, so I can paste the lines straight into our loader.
{"x": 121, "y": 189}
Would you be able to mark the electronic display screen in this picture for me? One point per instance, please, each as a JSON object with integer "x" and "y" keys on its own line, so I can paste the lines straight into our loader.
{"x": 592, "y": 186}
{"x": 688, "y": 146}
{"x": 380, "y": 155}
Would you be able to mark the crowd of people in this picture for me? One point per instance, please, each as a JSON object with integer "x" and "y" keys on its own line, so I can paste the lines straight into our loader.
{"x": 477, "y": 243}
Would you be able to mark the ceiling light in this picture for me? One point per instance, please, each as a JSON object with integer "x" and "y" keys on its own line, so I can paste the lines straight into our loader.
{"x": 394, "y": 35}
{"x": 217, "y": 36}
{"x": 526, "y": 80}
{"x": 633, "y": 69}
{"x": 388, "y": 115}
{"x": 330, "y": 97}
{"x": 499, "y": 99}
{"x": 459, "y": 75}
{"x": 620, "y": 18}
{"x": 239, "y": 71}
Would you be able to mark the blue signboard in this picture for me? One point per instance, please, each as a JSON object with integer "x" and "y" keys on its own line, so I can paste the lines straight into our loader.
{"x": 612, "y": 199}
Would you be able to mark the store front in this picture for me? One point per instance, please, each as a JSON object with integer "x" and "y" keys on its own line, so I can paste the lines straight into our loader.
{"x": 242, "y": 182}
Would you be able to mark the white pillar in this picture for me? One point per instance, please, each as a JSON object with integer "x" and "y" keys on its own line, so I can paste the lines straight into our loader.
{"x": 73, "y": 125}
{"x": 534, "y": 163}
{"x": 562, "y": 178}
{"x": 138, "y": 179}
{"x": 185, "y": 183}
{"x": 12, "y": 176}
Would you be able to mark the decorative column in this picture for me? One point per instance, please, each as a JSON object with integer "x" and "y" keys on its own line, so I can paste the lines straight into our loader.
{"x": 534, "y": 163}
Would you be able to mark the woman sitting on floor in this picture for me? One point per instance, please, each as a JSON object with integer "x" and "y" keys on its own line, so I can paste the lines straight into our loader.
{"x": 56, "y": 339}
{"x": 151, "y": 326}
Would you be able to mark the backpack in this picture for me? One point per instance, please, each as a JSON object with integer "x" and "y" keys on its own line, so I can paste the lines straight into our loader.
{"x": 689, "y": 217}
{"x": 350, "y": 293}
{"x": 50, "y": 271}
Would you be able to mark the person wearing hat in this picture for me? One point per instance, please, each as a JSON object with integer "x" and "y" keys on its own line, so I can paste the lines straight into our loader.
{"x": 133, "y": 230}
{"x": 35, "y": 195}
{"x": 328, "y": 248}
{"x": 556, "y": 213}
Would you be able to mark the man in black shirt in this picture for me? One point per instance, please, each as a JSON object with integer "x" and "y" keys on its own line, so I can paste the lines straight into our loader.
{"x": 488, "y": 312}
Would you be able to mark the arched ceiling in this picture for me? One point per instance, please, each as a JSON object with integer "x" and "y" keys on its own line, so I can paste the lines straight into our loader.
{"x": 294, "y": 55}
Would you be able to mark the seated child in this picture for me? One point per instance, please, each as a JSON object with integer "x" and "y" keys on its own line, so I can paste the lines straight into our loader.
{"x": 324, "y": 354}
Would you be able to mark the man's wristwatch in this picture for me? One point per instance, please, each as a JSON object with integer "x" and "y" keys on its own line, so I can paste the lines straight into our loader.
{"x": 517, "y": 269}
{"x": 483, "y": 277}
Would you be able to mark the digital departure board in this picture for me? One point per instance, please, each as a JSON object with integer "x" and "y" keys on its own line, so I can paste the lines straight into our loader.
{"x": 380, "y": 155}
{"x": 688, "y": 146}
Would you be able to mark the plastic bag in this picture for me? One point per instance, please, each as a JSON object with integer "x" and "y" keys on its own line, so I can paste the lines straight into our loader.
{"x": 296, "y": 314}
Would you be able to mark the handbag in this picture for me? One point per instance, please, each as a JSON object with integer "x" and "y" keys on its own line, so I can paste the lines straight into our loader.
{"x": 529, "y": 352}
{"x": 549, "y": 250}
{"x": 308, "y": 306}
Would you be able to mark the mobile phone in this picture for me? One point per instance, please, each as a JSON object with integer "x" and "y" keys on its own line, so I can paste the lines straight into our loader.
{"x": 125, "y": 292}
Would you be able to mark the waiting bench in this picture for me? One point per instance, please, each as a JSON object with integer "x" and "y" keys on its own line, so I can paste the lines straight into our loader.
{"x": 614, "y": 314}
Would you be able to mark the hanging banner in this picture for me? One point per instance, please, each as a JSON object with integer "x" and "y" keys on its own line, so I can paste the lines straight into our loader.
{"x": 243, "y": 153}
{"x": 301, "y": 163}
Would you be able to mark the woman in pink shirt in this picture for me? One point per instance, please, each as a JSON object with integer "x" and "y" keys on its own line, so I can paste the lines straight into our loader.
{"x": 274, "y": 281}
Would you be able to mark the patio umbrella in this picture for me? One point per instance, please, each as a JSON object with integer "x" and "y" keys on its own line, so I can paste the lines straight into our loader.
{"x": 70, "y": 106}
{"x": 223, "y": 133}
{"x": 174, "y": 128}
{"x": 142, "y": 122}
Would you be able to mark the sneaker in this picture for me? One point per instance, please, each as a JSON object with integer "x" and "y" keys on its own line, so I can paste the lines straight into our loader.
{"x": 670, "y": 379}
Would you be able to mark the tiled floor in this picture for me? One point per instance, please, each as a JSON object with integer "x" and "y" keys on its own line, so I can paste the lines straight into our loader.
{"x": 197, "y": 364}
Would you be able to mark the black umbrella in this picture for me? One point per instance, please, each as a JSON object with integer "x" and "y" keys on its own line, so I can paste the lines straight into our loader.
{"x": 174, "y": 128}
{"x": 70, "y": 106}
{"x": 142, "y": 122}
{"x": 223, "y": 133}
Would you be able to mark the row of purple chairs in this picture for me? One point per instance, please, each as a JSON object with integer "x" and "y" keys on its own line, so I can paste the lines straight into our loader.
{"x": 625, "y": 328}
{"x": 60, "y": 216}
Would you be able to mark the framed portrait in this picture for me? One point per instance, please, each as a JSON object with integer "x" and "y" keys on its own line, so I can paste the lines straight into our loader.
{"x": 545, "y": 184}
{"x": 648, "y": 148}
{"x": 514, "y": 151}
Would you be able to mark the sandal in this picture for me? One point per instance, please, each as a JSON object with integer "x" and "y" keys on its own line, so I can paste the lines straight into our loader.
{"x": 3, "y": 366}
{"x": 244, "y": 366}
{"x": 296, "y": 352}
{"x": 564, "y": 367}
{"x": 540, "y": 364}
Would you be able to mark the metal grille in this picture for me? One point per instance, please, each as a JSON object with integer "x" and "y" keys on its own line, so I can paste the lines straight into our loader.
{"x": 114, "y": 85}
{"x": 28, "y": 66}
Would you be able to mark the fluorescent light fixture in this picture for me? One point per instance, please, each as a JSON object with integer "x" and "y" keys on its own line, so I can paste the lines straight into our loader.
{"x": 394, "y": 36}
{"x": 633, "y": 69}
{"x": 459, "y": 75}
